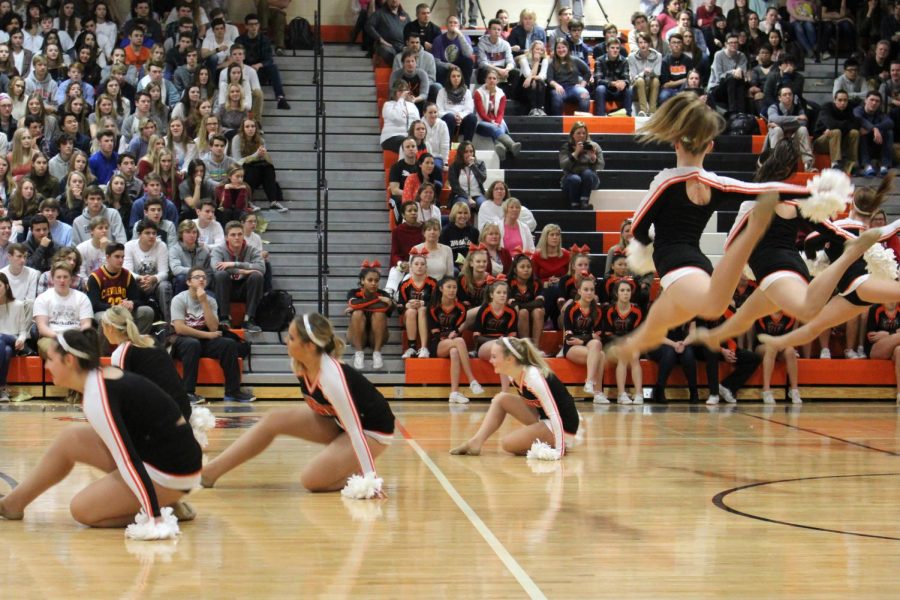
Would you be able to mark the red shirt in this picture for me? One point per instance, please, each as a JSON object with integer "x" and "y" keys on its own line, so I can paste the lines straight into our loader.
{"x": 136, "y": 58}
{"x": 554, "y": 266}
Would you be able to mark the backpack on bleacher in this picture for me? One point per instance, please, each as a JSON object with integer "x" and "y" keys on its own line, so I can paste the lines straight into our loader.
{"x": 300, "y": 35}
{"x": 275, "y": 311}
{"x": 741, "y": 124}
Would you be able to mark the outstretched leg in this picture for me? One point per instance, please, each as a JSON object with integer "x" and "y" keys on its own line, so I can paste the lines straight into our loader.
{"x": 501, "y": 405}
{"x": 837, "y": 311}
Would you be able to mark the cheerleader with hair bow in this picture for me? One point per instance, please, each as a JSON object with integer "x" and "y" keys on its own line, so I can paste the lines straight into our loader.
{"x": 526, "y": 296}
{"x": 414, "y": 294}
{"x": 368, "y": 307}
{"x": 446, "y": 316}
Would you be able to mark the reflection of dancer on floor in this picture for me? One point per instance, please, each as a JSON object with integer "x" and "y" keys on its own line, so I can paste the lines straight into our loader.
{"x": 136, "y": 434}
{"x": 542, "y": 404}
{"x": 678, "y": 206}
{"x": 858, "y": 288}
{"x": 343, "y": 410}
{"x": 782, "y": 277}
{"x": 883, "y": 336}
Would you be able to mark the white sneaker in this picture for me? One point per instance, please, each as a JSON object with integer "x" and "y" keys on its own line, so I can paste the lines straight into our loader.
{"x": 278, "y": 206}
{"x": 726, "y": 393}
{"x": 861, "y": 351}
{"x": 359, "y": 360}
{"x": 795, "y": 396}
{"x": 377, "y": 360}
{"x": 624, "y": 399}
{"x": 589, "y": 388}
{"x": 4, "y": 395}
{"x": 476, "y": 388}
{"x": 457, "y": 398}
{"x": 768, "y": 397}
{"x": 559, "y": 354}
{"x": 712, "y": 400}
{"x": 600, "y": 398}
{"x": 424, "y": 353}
{"x": 638, "y": 397}
{"x": 850, "y": 353}
{"x": 825, "y": 353}
{"x": 410, "y": 352}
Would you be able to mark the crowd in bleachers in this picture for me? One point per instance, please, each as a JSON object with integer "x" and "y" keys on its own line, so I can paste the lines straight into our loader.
{"x": 130, "y": 150}
{"x": 748, "y": 61}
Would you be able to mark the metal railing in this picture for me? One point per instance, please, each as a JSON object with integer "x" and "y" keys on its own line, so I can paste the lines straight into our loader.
{"x": 321, "y": 120}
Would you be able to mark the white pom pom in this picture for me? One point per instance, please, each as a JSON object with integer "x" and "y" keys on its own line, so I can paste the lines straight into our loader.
{"x": 817, "y": 266}
{"x": 829, "y": 193}
{"x": 147, "y": 528}
{"x": 748, "y": 273}
{"x": 881, "y": 263}
{"x": 640, "y": 258}
{"x": 362, "y": 487}
{"x": 202, "y": 420}
{"x": 542, "y": 451}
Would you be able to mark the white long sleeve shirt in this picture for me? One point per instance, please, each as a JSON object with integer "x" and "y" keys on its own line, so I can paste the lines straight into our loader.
{"x": 153, "y": 262}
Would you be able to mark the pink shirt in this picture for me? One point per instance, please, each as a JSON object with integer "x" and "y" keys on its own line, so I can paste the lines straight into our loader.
{"x": 512, "y": 237}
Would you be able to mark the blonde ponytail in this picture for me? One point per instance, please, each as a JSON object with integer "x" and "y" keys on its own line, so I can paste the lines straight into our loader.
{"x": 528, "y": 354}
{"x": 120, "y": 319}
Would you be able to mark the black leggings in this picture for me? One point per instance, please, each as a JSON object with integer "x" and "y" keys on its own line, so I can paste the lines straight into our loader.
{"x": 262, "y": 174}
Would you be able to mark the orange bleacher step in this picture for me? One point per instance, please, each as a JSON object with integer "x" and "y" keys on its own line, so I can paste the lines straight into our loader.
{"x": 600, "y": 124}
{"x": 611, "y": 220}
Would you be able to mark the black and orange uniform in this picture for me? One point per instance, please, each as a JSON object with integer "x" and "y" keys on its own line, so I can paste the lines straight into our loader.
{"x": 568, "y": 287}
{"x": 491, "y": 326}
{"x": 881, "y": 320}
{"x": 155, "y": 364}
{"x": 476, "y": 296}
{"x": 527, "y": 294}
{"x": 612, "y": 281}
{"x": 746, "y": 360}
{"x": 359, "y": 299}
{"x": 774, "y": 327}
{"x": 442, "y": 322}
{"x": 342, "y": 393}
{"x": 740, "y": 296}
{"x": 106, "y": 289}
{"x": 145, "y": 433}
{"x": 679, "y": 223}
{"x": 554, "y": 404}
{"x": 616, "y": 324}
{"x": 410, "y": 291}
{"x": 580, "y": 324}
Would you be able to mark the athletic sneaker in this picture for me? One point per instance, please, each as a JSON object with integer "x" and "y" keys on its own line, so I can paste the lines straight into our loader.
{"x": 638, "y": 397}
{"x": 476, "y": 388}
{"x": 457, "y": 398}
{"x": 196, "y": 399}
{"x": 410, "y": 352}
{"x": 883, "y": 171}
{"x": 589, "y": 388}
{"x": 278, "y": 207}
{"x": 4, "y": 395}
{"x": 251, "y": 327}
{"x": 850, "y": 353}
{"x": 377, "y": 360}
{"x": 825, "y": 353}
{"x": 726, "y": 393}
{"x": 359, "y": 360}
{"x": 424, "y": 353}
{"x": 624, "y": 399}
{"x": 768, "y": 397}
{"x": 795, "y": 396}
{"x": 240, "y": 396}
{"x": 869, "y": 172}
{"x": 861, "y": 351}
{"x": 712, "y": 400}
{"x": 600, "y": 398}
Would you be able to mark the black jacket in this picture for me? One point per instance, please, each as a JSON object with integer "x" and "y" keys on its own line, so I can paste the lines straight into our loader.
{"x": 607, "y": 71}
{"x": 832, "y": 118}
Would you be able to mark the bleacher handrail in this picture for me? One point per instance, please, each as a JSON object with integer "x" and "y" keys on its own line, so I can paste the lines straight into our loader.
{"x": 319, "y": 145}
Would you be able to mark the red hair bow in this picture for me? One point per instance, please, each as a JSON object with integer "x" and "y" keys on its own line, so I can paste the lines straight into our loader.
{"x": 576, "y": 249}
{"x": 476, "y": 248}
{"x": 517, "y": 251}
{"x": 423, "y": 251}
{"x": 373, "y": 265}
{"x": 491, "y": 279}
{"x": 585, "y": 274}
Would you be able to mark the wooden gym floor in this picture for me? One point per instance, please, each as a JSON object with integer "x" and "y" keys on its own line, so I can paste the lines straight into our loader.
{"x": 659, "y": 502}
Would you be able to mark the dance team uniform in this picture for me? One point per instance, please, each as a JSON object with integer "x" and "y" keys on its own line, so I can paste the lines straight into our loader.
{"x": 476, "y": 296}
{"x": 774, "y": 327}
{"x": 410, "y": 291}
{"x": 359, "y": 300}
{"x": 555, "y": 406}
{"x": 443, "y": 322}
{"x": 527, "y": 295}
{"x": 616, "y": 324}
{"x": 494, "y": 326}
{"x": 156, "y": 365}
{"x": 880, "y": 320}
{"x": 580, "y": 324}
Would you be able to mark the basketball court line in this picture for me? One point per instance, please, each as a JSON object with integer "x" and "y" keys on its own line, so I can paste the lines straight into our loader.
{"x": 496, "y": 545}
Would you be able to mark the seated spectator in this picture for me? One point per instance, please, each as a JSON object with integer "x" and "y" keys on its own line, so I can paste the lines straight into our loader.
{"x": 140, "y": 144}
{"x": 236, "y": 77}
{"x": 232, "y": 196}
{"x": 412, "y": 299}
{"x": 237, "y": 57}
{"x": 567, "y": 78}
{"x": 620, "y": 319}
{"x": 94, "y": 207}
{"x": 76, "y": 77}
{"x": 59, "y": 164}
{"x": 877, "y": 68}
{"x": 22, "y": 279}
{"x": 497, "y": 194}
{"x": 136, "y": 53}
{"x": 40, "y": 245}
{"x": 216, "y": 44}
{"x": 60, "y": 308}
{"x": 744, "y": 363}
{"x": 22, "y": 153}
{"x": 368, "y": 307}
{"x": 398, "y": 114}
{"x": 416, "y": 78}
{"x": 250, "y": 222}
{"x": 777, "y": 324}
{"x": 92, "y": 251}
{"x": 706, "y": 12}
{"x": 148, "y": 259}
{"x": 103, "y": 163}
{"x": 14, "y": 325}
{"x": 685, "y": 23}
{"x": 113, "y": 285}
{"x": 674, "y": 69}
{"x": 692, "y": 50}
{"x": 788, "y": 120}
{"x": 533, "y": 65}
{"x": 437, "y": 138}
{"x": 466, "y": 176}
{"x": 674, "y": 351}
{"x": 577, "y": 47}
{"x": 644, "y": 282}
{"x": 515, "y": 233}
{"x": 490, "y": 105}
{"x": 197, "y": 326}
{"x": 428, "y": 31}
{"x": 404, "y": 237}
{"x": 526, "y": 33}
{"x": 385, "y": 26}
{"x": 453, "y": 49}
{"x": 456, "y": 106}
{"x": 424, "y": 61}
{"x": 426, "y": 172}
{"x": 491, "y": 239}
{"x": 890, "y": 28}
{"x": 890, "y": 97}
{"x": 187, "y": 255}
{"x": 526, "y": 297}
{"x": 60, "y": 232}
{"x": 134, "y": 187}
{"x": 728, "y": 81}
{"x": 5, "y": 235}
{"x": 438, "y": 256}
{"x": 169, "y": 95}
{"x": 425, "y": 198}
{"x": 882, "y": 339}
{"x": 248, "y": 149}
{"x": 803, "y": 18}
{"x": 399, "y": 172}
{"x": 39, "y": 82}
{"x": 644, "y": 69}
{"x": 194, "y": 189}
{"x": 238, "y": 270}
{"x": 493, "y": 320}
{"x": 446, "y": 315}
{"x": 152, "y": 191}
{"x": 580, "y": 160}
{"x": 232, "y": 112}
{"x": 851, "y": 82}
{"x": 24, "y": 201}
{"x": 134, "y": 124}
{"x": 582, "y": 339}
{"x": 561, "y": 31}
{"x": 758, "y": 76}
{"x": 45, "y": 184}
{"x": 836, "y": 24}
{"x": 837, "y": 132}
{"x": 495, "y": 53}
{"x": 458, "y": 234}
{"x": 876, "y": 136}
{"x": 786, "y": 75}
{"x": 216, "y": 161}
{"x": 153, "y": 210}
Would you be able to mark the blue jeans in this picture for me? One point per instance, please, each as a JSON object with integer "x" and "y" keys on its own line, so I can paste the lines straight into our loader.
{"x": 571, "y": 93}
{"x": 666, "y": 93}
{"x": 491, "y": 130}
{"x": 602, "y": 94}
{"x": 805, "y": 32}
{"x": 868, "y": 147}
{"x": 7, "y": 351}
{"x": 578, "y": 186}
{"x": 479, "y": 200}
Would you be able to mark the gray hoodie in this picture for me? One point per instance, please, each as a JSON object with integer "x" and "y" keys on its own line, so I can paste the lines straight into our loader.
{"x": 81, "y": 226}
{"x": 46, "y": 88}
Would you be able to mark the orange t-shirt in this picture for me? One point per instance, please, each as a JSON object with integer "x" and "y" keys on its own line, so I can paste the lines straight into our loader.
{"x": 138, "y": 59}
